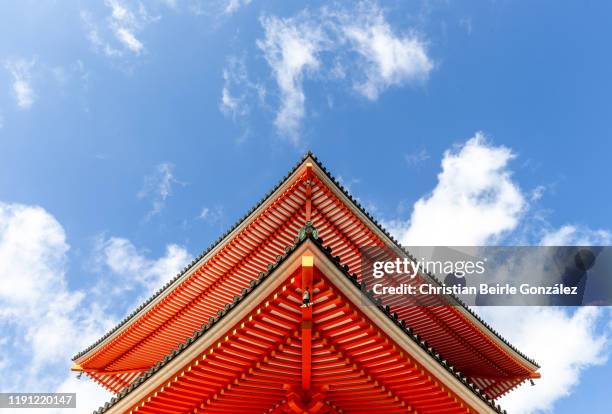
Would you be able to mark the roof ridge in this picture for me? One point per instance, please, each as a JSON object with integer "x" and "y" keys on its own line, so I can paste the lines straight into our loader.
{"x": 308, "y": 232}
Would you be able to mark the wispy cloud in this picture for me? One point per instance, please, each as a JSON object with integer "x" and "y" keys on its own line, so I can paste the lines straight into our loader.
{"x": 231, "y": 6}
{"x": 537, "y": 193}
{"x": 239, "y": 93}
{"x": 212, "y": 215}
{"x": 415, "y": 159}
{"x": 137, "y": 271}
{"x": 388, "y": 58}
{"x": 129, "y": 40}
{"x": 291, "y": 47}
{"x": 216, "y": 8}
{"x": 20, "y": 70}
{"x": 235, "y": 105}
{"x": 348, "y": 183}
{"x": 336, "y": 43}
{"x": 158, "y": 187}
{"x": 118, "y": 32}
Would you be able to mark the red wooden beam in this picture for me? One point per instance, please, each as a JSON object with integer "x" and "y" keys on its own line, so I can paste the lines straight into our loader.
{"x": 307, "y": 270}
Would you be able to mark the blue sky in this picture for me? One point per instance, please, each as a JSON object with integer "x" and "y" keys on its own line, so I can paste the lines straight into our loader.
{"x": 133, "y": 134}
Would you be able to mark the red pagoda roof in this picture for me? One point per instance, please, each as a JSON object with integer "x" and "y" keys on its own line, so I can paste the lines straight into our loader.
{"x": 219, "y": 275}
{"x": 259, "y": 354}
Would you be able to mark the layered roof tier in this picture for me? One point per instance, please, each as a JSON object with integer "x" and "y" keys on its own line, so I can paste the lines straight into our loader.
{"x": 308, "y": 194}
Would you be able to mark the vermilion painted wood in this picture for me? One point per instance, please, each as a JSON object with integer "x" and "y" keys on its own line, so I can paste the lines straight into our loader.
{"x": 152, "y": 336}
{"x": 240, "y": 374}
{"x": 307, "y": 283}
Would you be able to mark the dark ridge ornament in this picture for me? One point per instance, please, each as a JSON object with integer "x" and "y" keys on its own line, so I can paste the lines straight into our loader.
{"x": 308, "y": 231}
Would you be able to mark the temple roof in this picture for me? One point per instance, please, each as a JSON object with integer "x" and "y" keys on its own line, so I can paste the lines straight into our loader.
{"x": 221, "y": 271}
{"x": 308, "y": 234}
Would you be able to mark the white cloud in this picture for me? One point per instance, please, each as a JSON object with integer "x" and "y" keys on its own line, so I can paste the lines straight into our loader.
{"x": 90, "y": 395}
{"x": 238, "y": 95}
{"x": 45, "y": 320}
{"x": 537, "y": 193}
{"x": 124, "y": 24}
{"x": 135, "y": 269}
{"x": 232, "y": 6}
{"x": 229, "y": 105}
{"x": 20, "y": 70}
{"x": 211, "y": 215}
{"x": 95, "y": 38}
{"x": 129, "y": 40}
{"x": 32, "y": 256}
{"x": 474, "y": 201}
{"x": 158, "y": 187}
{"x": 291, "y": 47}
{"x": 235, "y": 77}
{"x": 390, "y": 59}
{"x": 336, "y": 43}
{"x": 216, "y": 8}
{"x": 569, "y": 235}
{"x": 204, "y": 213}
{"x": 564, "y": 342}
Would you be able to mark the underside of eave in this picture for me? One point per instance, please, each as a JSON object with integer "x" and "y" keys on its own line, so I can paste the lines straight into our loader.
{"x": 211, "y": 334}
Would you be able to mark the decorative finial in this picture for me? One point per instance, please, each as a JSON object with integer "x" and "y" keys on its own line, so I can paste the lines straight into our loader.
{"x": 308, "y": 230}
